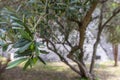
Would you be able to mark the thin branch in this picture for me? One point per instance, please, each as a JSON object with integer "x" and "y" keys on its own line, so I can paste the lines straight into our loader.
{"x": 113, "y": 15}
{"x": 73, "y": 68}
{"x": 69, "y": 43}
{"x": 101, "y": 27}
{"x": 38, "y": 21}
{"x": 61, "y": 57}
{"x": 76, "y": 21}
{"x": 88, "y": 15}
{"x": 61, "y": 25}
{"x": 63, "y": 43}
{"x": 96, "y": 17}
{"x": 97, "y": 40}
{"x": 65, "y": 47}
{"x": 73, "y": 49}
{"x": 115, "y": 12}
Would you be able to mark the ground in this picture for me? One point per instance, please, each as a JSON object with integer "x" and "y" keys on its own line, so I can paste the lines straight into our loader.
{"x": 59, "y": 71}
{"x": 106, "y": 71}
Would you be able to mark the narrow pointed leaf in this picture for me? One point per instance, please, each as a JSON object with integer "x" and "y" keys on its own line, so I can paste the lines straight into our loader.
{"x": 22, "y": 49}
{"x": 41, "y": 60}
{"x": 15, "y": 63}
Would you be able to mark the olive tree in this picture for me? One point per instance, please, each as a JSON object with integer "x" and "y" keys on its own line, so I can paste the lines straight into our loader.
{"x": 58, "y": 23}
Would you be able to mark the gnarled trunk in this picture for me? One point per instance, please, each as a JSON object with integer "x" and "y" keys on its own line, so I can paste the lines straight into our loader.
{"x": 85, "y": 73}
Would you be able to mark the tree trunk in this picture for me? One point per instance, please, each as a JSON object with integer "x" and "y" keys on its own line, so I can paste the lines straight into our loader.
{"x": 115, "y": 53}
{"x": 84, "y": 73}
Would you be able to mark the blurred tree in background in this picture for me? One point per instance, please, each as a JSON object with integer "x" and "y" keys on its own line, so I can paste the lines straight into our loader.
{"x": 113, "y": 29}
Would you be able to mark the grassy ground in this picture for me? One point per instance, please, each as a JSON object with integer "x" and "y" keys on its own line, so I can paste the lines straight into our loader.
{"x": 106, "y": 71}
{"x": 59, "y": 71}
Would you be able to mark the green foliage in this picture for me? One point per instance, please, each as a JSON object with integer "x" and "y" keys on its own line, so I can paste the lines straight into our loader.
{"x": 4, "y": 45}
{"x": 113, "y": 28}
{"x": 21, "y": 26}
{"x": 16, "y": 62}
{"x": 51, "y": 20}
{"x": 21, "y": 35}
{"x": 114, "y": 34}
{"x": 40, "y": 16}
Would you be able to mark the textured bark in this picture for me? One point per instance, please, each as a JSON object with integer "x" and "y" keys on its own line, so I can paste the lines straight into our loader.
{"x": 94, "y": 52}
{"x": 82, "y": 32}
{"x": 115, "y": 53}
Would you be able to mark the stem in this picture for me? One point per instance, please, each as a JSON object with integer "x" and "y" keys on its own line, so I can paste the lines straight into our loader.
{"x": 97, "y": 40}
{"x": 115, "y": 53}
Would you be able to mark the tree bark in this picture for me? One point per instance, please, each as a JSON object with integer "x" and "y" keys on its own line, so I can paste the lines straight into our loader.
{"x": 115, "y": 53}
{"x": 94, "y": 52}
